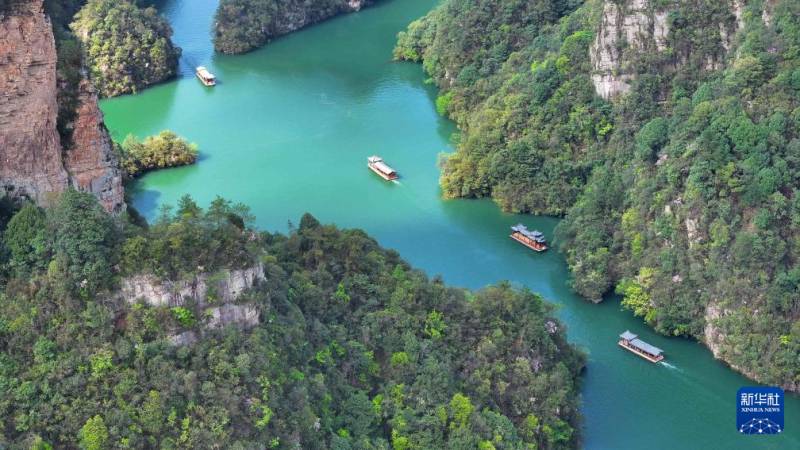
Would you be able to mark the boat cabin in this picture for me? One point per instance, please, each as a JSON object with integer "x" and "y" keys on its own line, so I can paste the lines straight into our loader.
{"x": 534, "y": 240}
{"x": 376, "y": 164}
{"x": 206, "y": 77}
{"x": 632, "y": 343}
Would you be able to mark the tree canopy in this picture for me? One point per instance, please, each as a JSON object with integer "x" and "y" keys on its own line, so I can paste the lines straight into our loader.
{"x": 127, "y": 48}
{"x": 354, "y": 349}
{"x": 680, "y": 194}
{"x": 163, "y": 150}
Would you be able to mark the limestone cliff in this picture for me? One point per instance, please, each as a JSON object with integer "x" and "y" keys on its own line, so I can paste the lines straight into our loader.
{"x": 224, "y": 287}
{"x": 296, "y": 15}
{"x": 215, "y": 294}
{"x": 632, "y": 31}
{"x": 631, "y": 27}
{"x": 33, "y": 163}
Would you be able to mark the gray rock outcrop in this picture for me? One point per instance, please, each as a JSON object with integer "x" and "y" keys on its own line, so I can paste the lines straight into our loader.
{"x": 214, "y": 293}
{"x": 223, "y": 287}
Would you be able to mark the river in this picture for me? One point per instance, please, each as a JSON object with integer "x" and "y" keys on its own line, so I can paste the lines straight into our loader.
{"x": 288, "y": 130}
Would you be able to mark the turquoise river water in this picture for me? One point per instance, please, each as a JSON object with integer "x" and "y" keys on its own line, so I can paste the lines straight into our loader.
{"x": 288, "y": 130}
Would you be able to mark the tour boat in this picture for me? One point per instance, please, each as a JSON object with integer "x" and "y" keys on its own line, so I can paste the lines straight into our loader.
{"x": 534, "y": 240}
{"x": 632, "y": 343}
{"x": 376, "y": 164}
{"x": 206, "y": 77}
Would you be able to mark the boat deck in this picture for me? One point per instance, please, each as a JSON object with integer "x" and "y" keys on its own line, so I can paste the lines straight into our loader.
{"x": 376, "y": 164}
{"x": 526, "y": 244}
{"x": 651, "y": 358}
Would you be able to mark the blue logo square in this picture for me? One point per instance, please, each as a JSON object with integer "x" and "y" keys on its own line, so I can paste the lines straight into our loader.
{"x": 759, "y": 410}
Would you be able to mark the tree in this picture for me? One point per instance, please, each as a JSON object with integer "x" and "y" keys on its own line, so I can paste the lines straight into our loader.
{"x": 84, "y": 239}
{"x": 25, "y": 238}
{"x": 94, "y": 434}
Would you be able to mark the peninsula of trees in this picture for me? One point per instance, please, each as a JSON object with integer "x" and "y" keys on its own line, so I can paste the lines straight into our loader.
{"x": 161, "y": 151}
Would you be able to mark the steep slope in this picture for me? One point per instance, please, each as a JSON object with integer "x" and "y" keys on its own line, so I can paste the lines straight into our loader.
{"x": 244, "y": 25}
{"x": 32, "y": 161}
{"x": 666, "y": 131}
{"x": 127, "y": 48}
{"x": 30, "y": 148}
{"x": 199, "y": 332}
{"x": 90, "y": 160}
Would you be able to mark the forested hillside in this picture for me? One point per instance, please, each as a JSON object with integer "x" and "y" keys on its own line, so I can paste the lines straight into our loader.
{"x": 127, "y": 48}
{"x": 329, "y": 342}
{"x": 244, "y": 25}
{"x": 671, "y": 150}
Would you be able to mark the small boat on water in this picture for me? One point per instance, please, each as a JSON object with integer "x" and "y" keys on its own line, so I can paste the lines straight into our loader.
{"x": 376, "y": 164}
{"x": 632, "y": 343}
{"x": 206, "y": 77}
{"x": 534, "y": 240}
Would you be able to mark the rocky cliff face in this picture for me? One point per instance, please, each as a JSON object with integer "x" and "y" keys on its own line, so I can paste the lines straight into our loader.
{"x": 625, "y": 27}
{"x": 221, "y": 289}
{"x": 632, "y": 28}
{"x": 32, "y": 161}
{"x": 30, "y": 148}
{"x": 297, "y": 15}
{"x": 224, "y": 287}
{"x": 90, "y": 160}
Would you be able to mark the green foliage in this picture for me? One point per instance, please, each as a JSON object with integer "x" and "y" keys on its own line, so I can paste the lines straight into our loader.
{"x": 651, "y": 138}
{"x": 244, "y": 25}
{"x": 126, "y": 48}
{"x": 184, "y": 316}
{"x": 25, "y": 238}
{"x": 166, "y": 149}
{"x": 82, "y": 241}
{"x": 461, "y": 409}
{"x": 190, "y": 240}
{"x": 39, "y": 444}
{"x": 682, "y": 192}
{"x": 635, "y": 296}
{"x": 435, "y": 325}
{"x": 101, "y": 363}
{"x": 94, "y": 434}
{"x": 443, "y": 103}
{"x": 341, "y": 294}
{"x": 517, "y": 81}
{"x": 399, "y": 359}
{"x": 377, "y": 370}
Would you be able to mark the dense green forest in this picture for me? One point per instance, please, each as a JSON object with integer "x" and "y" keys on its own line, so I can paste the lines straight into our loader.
{"x": 532, "y": 123}
{"x": 680, "y": 194}
{"x": 244, "y": 25}
{"x": 163, "y": 150}
{"x": 126, "y": 47}
{"x": 354, "y": 349}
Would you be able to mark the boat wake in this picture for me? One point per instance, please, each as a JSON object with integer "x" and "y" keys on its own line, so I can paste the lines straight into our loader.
{"x": 397, "y": 182}
{"x": 670, "y": 366}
